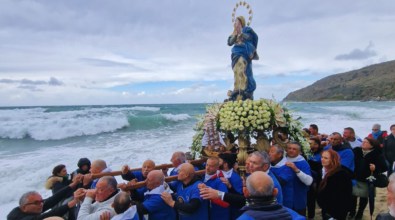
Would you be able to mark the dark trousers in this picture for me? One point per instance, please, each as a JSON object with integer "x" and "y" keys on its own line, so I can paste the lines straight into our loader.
{"x": 390, "y": 168}
{"x": 363, "y": 202}
{"x": 311, "y": 200}
{"x": 301, "y": 212}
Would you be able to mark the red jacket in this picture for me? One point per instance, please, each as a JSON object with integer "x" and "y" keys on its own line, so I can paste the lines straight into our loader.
{"x": 380, "y": 138}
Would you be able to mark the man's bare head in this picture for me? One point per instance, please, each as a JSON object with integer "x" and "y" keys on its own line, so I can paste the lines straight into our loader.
{"x": 186, "y": 172}
{"x": 154, "y": 179}
{"x": 178, "y": 158}
{"x": 147, "y": 167}
{"x": 122, "y": 202}
{"x": 98, "y": 166}
{"x": 260, "y": 184}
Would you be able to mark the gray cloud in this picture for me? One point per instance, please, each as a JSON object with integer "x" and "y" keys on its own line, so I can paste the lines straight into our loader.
{"x": 31, "y": 82}
{"x": 31, "y": 88}
{"x": 262, "y": 77}
{"x": 358, "y": 54}
{"x": 52, "y": 82}
{"x": 281, "y": 75}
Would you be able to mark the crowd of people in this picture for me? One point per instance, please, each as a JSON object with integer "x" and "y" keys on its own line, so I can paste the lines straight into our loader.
{"x": 279, "y": 184}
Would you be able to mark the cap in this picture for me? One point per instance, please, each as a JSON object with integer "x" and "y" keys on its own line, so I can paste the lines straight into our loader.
{"x": 376, "y": 126}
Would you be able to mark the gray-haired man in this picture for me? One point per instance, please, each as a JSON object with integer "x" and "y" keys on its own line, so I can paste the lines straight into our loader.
{"x": 33, "y": 207}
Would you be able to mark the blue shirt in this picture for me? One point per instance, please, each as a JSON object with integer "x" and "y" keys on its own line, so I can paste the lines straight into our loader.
{"x": 294, "y": 216}
{"x": 300, "y": 189}
{"x": 184, "y": 195}
{"x": 158, "y": 209}
{"x": 316, "y": 157}
{"x": 277, "y": 185}
{"x": 173, "y": 172}
{"x": 237, "y": 184}
{"x": 216, "y": 211}
{"x": 288, "y": 175}
{"x": 133, "y": 175}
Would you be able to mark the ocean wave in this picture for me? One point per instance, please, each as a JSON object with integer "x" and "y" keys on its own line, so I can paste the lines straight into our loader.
{"x": 179, "y": 117}
{"x": 40, "y": 125}
{"x": 143, "y": 108}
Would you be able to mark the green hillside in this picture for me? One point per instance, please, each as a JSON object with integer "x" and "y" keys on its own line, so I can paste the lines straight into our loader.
{"x": 375, "y": 82}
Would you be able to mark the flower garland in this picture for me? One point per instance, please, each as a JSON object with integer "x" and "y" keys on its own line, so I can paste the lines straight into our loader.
{"x": 249, "y": 117}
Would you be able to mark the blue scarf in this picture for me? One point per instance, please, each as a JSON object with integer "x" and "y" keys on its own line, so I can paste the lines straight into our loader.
{"x": 376, "y": 134}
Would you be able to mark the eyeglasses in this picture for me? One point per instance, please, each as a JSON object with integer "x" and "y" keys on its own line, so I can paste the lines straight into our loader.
{"x": 35, "y": 202}
{"x": 375, "y": 129}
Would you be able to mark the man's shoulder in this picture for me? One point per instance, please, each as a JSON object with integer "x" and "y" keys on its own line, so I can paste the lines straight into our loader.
{"x": 245, "y": 217}
{"x": 385, "y": 216}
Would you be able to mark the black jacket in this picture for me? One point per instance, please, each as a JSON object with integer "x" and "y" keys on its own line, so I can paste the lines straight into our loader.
{"x": 17, "y": 214}
{"x": 389, "y": 148}
{"x": 335, "y": 197}
{"x": 362, "y": 163}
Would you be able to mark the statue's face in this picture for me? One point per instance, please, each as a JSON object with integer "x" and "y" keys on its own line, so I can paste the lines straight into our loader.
{"x": 238, "y": 23}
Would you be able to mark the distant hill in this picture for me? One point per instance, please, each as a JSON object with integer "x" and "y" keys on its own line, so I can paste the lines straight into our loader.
{"x": 375, "y": 82}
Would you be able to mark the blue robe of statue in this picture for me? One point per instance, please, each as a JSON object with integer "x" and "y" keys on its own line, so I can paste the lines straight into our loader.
{"x": 248, "y": 51}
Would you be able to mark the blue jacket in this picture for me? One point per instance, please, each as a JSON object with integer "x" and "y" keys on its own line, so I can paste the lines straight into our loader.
{"x": 158, "y": 209}
{"x": 237, "y": 187}
{"x": 287, "y": 175}
{"x": 300, "y": 189}
{"x": 216, "y": 211}
{"x": 269, "y": 212}
{"x": 277, "y": 185}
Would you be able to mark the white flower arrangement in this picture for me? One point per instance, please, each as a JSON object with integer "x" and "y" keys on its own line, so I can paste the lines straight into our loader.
{"x": 249, "y": 117}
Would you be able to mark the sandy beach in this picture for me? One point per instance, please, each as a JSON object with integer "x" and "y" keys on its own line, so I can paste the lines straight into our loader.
{"x": 380, "y": 206}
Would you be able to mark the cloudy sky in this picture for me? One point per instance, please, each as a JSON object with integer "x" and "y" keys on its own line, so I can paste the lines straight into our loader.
{"x": 140, "y": 52}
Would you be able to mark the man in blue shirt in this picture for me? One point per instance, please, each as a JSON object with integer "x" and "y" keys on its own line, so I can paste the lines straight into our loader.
{"x": 284, "y": 174}
{"x": 212, "y": 180}
{"x": 343, "y": 148}
{"x": 153, "y": 204}
{"x": 189, "y": 204}
{"x": 178, "y": 159}
{"x": 231, "y": 179}
{"x": 260, "y": 161}
{"x": 138, "y": 176}
{"x": 261, "y": 190}
{"x": 302, "y": 180}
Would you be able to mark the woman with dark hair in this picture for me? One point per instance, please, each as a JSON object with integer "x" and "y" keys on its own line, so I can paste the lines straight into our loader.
{"x": 334, "y": 187}
{"x": 56, "y": 182}
{"x": 367, "y": 156}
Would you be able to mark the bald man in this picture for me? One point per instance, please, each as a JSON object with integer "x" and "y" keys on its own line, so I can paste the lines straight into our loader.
{"x": 178, "y": 159}
{"x": 138, "y": 176}
{"x": 263, "y": 205}
{"x": 97, "y": 166}
{"x": 189, "y": 204}
{"x": 153, "y": 204}
{"x": 147, "y": 167}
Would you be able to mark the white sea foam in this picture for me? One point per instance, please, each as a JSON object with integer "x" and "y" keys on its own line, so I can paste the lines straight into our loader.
{"x": 41, "y": 125}
{"x": 143, "y": 108}
{"x": 179, "y": 117}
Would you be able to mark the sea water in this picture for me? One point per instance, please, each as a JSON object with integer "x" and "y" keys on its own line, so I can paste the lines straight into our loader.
{"x": 33, "y": 140}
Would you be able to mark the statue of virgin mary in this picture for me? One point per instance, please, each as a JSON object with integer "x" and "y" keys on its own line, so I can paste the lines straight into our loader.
{"x": 245, "y": 42}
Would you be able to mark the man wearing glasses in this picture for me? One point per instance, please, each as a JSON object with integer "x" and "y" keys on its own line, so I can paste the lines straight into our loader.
{"x": 33, "y": 207}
